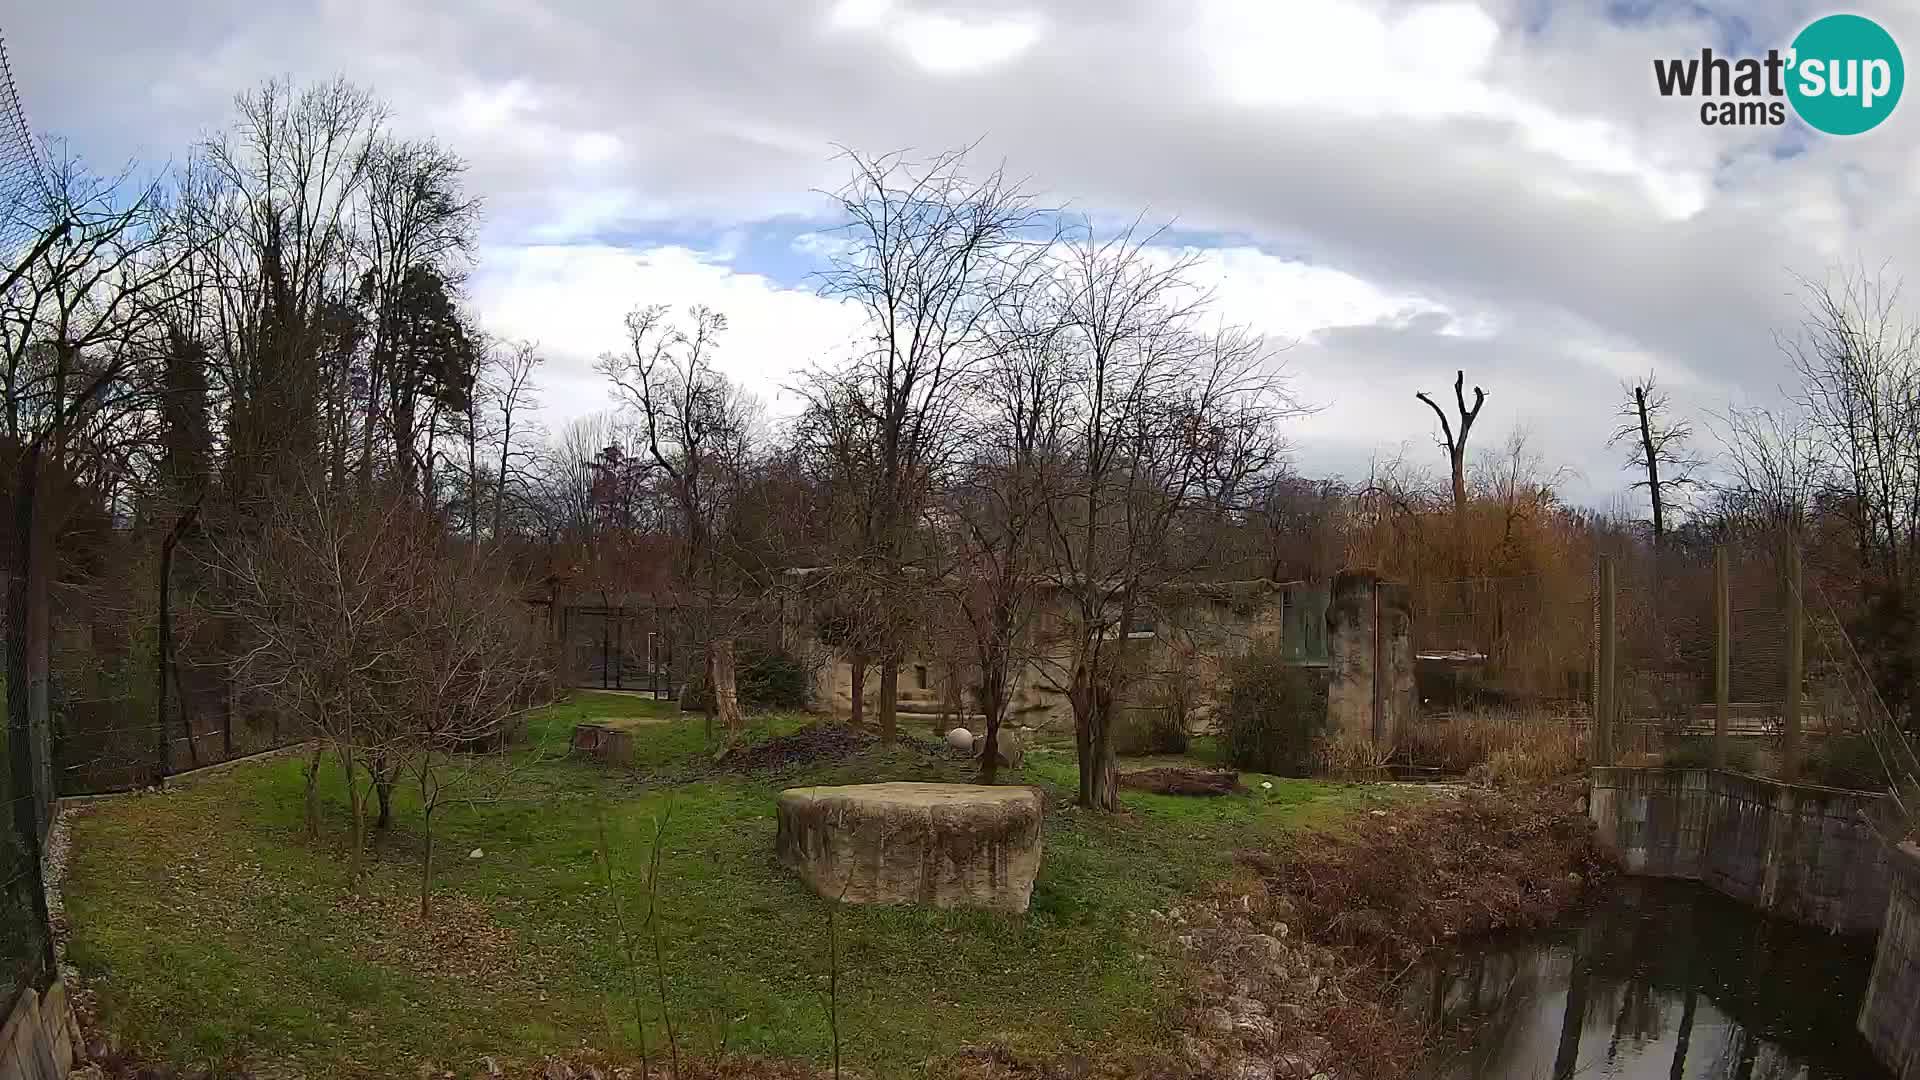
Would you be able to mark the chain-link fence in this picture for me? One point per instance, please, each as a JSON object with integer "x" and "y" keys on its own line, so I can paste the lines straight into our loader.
{"x": 1513, "y": 644}
{"x": 25, "y": 948}
{"x": 1704, "y": 659}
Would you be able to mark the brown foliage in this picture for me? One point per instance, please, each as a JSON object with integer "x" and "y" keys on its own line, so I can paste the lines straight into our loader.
{"x": 1398, "y": 882}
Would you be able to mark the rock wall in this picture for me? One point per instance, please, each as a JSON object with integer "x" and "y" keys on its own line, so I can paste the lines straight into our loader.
{"x": 1370, "y": 692}
{"x": 1798, "y": 851}
{"x": 38, "y": 1040}
{"x": 1890, "y": 1011}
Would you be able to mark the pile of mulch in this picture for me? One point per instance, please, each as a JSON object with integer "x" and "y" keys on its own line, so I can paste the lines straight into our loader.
{"x": 1174, "y": 780}
{"x": 811, "y": 744}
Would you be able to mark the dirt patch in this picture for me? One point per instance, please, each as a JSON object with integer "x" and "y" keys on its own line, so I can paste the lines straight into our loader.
{"x": 1181, "y": 781}
{"x": 809, "y": 745}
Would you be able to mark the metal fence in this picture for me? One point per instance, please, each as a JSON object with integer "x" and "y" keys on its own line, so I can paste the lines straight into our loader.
{"x": 1657, "y": 654}
{"x": 26, "y": 951}
{"x": 620, "y": 648}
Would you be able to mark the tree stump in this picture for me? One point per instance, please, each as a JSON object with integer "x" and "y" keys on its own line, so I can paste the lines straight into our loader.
{"x": 943, "y": 845}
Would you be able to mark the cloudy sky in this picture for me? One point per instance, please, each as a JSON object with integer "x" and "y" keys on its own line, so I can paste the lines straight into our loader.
{"x": 1393, "y": 189}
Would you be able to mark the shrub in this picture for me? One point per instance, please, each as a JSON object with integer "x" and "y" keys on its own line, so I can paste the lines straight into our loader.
{"x": 765, "y": 678}
{"x": 1152, "y": 730}
{"x": 774, "y": 679}
{"x": 1697, "y": 753}
{"x": 1846, "y": 761}
{"x": 1497, "y": 746}
{"x": 1273, "y": 718}
{"x": 1352, "y": 757}
{"x": 1536, "y": 762}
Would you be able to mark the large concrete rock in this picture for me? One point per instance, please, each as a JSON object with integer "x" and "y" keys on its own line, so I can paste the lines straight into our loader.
{"x": 947, "y": 845}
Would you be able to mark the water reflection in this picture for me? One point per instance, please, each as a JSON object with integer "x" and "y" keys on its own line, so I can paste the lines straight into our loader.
{"x": 1662, "y": 980}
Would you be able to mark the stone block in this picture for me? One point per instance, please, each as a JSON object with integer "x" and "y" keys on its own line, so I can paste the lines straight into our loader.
{"x": 944, "y": 845}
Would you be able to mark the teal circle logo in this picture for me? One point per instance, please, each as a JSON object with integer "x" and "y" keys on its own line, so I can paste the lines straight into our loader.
{"x": 1845, "y": 74}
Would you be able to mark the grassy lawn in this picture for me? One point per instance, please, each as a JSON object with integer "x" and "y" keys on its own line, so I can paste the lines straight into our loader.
{"x": 214, "y": 933}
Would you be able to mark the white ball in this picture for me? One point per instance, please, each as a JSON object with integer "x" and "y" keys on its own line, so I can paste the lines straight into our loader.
{"x": 960, "y": 739}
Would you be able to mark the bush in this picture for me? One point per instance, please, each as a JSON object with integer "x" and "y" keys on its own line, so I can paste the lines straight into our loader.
{"x": 766, "y": 679}
{"x": 1496, "y": 746}
{"x": 1697, "y": 753}
{"x": 1846, "y": 761}
{"x": 773, "y": 679}
{"x": 1139, "y": 732}
{"x": 1273, "y": 718}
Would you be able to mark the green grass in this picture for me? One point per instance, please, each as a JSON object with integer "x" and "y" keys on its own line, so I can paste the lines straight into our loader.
{"x": 213, "y": 932}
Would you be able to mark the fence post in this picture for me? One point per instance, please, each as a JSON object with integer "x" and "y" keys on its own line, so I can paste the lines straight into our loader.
{"x": 1796, "y": 658}
{"x": 1607, "y": 708}
{"x": 1722, "y": 655}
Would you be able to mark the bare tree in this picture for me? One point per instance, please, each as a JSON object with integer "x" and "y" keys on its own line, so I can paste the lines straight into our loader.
{"x": 1167, "y": 421}
{"x": 997, "y": 503}
{"x": 417, "y": 231}
{"x": 1858, "y": 358}
{"x": 1775, "y": 470}
{"x": 696, "y": 429}
{"x": 1456, "y": 445}
{"x": 931, "y": 256}
{"x": 365, "y": 631}
{"x": 1658, "y": 449}
{"x": 287, "y": 179}
{"x": 79, "y": 329}
{"x": 511, "y": 392}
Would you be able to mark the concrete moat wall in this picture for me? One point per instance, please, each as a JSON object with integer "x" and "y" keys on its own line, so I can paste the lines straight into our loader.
{"x": 1797, "y": 851}
{"x": 1811, "y": 854}
{"x": 1890, "y": 1011}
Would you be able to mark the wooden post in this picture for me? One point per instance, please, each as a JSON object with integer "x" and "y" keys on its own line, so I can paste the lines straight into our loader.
{"x": 1722, "y": 655}
{"x": 1607, "y": 710}
{"x": 1796, "y": 658}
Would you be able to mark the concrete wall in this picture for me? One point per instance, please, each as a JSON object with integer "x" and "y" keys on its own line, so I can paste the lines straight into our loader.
{"x": 1890, "y": 1011}
{"x": 1189, "y": 631}
{"x": 1370, "y": 692}
{"x": 38, "y": 1040}
{"x": 1797, "y": 851}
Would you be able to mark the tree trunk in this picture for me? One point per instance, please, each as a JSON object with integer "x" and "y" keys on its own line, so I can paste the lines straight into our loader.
{"x": 313, "y": 793}
{"x": 426, "y": 864}
{"x": 992, "y": 703}
{"x": 1653, "y": 465}
{"x": 358, "y": 804}
{"x": 1457, "y": 458}
{"x": 724, "y": 687}
{"x": 1099, "y": 772}
{"x": 889, "y": 698}
{"x": 166, "y": 672}
{"x": 164, "y": 631}
{"x": 1106, "y": 770}
{"x": 857, "y": 710}
{"x": 383, "y": 778}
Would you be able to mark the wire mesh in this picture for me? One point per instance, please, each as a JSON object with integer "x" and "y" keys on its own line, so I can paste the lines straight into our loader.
{"x": 25, "y": 947}
{"x": 22, "y": 179}
{"x": 1517, "y": 643}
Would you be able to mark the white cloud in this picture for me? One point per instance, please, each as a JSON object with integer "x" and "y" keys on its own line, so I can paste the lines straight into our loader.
{"x": 571, "y": 299}
{"x": 1488, "y": 184}
{"x": 947, "y": 45}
